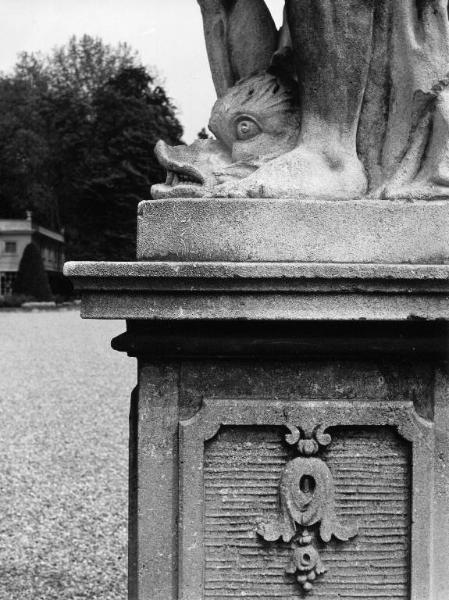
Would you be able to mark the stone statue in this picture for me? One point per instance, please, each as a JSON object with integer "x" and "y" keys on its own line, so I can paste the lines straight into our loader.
{"x": 350, "y": 99}
{"x": 254, "y": 122}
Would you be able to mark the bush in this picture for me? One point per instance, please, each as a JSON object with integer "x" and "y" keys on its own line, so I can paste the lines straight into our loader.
{"x": 61, "y": 287}
{"x": 13, "y": 301}
{"x": 32, "y": 280}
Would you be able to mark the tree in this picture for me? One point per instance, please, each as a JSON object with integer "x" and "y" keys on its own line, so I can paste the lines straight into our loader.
{"x": 32, "y": 279}
{"x": 203, "y": 134}
{"x": 80, "y": 67}
{"x": 131, "y": 114}
{"x": 77, "y": 131}
{"x": 24, "y": 155}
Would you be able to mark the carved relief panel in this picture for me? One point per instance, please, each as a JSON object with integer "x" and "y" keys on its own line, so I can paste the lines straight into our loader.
{"x": 280, "y": 499}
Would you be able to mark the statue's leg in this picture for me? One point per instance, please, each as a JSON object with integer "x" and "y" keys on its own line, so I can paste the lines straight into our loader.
{"x": 332, "y": 46}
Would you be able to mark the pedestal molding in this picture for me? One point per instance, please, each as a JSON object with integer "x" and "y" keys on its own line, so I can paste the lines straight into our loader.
{"x": 261, "y": 291}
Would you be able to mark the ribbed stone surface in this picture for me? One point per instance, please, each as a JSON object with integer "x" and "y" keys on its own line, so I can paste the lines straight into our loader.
{"x": 371, "y": 472}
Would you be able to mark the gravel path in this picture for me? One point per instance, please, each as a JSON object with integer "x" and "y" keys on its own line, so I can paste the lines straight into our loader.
{"x": 63, "y": 457}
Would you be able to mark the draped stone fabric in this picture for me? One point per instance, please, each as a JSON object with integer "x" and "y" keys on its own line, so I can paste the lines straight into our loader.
{"x": 409, "y": 58}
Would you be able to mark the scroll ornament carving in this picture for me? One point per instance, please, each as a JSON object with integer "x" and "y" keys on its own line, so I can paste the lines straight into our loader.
{"x": 307, "y": 498}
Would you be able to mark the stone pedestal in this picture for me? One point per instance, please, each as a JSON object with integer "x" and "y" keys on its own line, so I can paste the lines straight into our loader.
{"x": 267, "y": 361}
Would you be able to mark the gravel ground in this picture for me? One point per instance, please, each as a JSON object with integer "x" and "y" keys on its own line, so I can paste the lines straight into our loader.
{"x": 63, "y": 451}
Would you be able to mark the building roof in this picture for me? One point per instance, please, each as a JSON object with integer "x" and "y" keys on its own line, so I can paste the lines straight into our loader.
{"x": 15, "y": 225}
{"x": 49, "y": 233}
{"x": 25, "y": 226}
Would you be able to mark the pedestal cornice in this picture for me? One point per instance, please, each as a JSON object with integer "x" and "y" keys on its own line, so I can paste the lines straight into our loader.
{"x": 261, "y": 291}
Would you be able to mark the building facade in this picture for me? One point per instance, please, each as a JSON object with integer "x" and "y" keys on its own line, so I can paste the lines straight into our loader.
{"x": 15, "y": 235}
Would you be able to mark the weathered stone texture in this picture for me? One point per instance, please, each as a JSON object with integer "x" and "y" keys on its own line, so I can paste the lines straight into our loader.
{"x": 337, "y": 345}
{"x": 333, "y": 380}
{"x": 371, "y": 470}
{"x": 231, "y": 291}
{"x": 153, "y": 484}
{"x": 293, "y": 230}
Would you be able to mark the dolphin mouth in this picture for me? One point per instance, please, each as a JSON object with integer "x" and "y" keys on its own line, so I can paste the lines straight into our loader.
{"x": 179, "y": 176}
{"x": 179, "y": 171}
{"x": 178, "y": 184}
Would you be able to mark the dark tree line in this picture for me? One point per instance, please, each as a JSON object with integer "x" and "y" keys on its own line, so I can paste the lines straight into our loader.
{"x": 77, "y": 132}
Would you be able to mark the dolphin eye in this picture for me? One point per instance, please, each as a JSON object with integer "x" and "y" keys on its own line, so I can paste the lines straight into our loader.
{"x": 247, "y": 129}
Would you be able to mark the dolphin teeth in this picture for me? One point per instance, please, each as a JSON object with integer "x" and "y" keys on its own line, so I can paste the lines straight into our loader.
{"x": 178, "y": 177}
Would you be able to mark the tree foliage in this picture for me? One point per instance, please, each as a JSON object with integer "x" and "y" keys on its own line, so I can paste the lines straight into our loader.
{"x": 77, "y": 132}
{"x": 83, "y": 66}
{"x": 204, "y": 134}
{"x": 32, "y": 279}
{"x": 25, "y": 162}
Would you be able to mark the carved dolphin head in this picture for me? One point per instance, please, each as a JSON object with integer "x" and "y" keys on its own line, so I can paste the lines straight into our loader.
{"x": 254, "y": 122}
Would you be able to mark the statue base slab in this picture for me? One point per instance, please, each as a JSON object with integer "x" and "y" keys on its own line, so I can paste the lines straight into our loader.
{"x": 294, "y": 230}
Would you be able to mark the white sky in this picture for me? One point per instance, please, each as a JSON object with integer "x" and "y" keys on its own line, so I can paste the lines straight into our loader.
{"x": 166, "y": 33}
